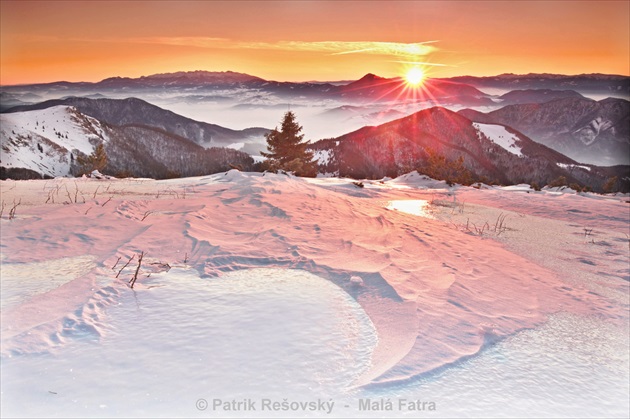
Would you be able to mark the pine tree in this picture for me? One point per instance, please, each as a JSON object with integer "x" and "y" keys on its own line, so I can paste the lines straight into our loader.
{"x": 287, "y": 151}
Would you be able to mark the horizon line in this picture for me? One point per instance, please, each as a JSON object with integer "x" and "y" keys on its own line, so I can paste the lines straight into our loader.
{"x": 310, "y": 80}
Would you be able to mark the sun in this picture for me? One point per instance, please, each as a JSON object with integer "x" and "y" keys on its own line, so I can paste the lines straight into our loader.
{"x": 414, "y": 77}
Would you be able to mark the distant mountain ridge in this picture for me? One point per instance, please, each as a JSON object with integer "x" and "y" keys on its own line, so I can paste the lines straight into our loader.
{"x": 183, "y": 79}
{"x": 48, "y": 140}
{"x": 133, "y": 111}
{"x": 605, "y": 84}
{"x": 240, "y": 87}
{"x": 589, "y": 131}
{"x": 370, "y": 87}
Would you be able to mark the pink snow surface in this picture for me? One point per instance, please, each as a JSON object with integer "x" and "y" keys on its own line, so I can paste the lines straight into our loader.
{"x": 436, "y": 294}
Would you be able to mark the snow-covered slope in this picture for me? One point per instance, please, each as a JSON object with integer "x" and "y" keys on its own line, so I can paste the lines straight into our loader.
{"x": 46, "y": 140}
{"x": 498, "y": 134}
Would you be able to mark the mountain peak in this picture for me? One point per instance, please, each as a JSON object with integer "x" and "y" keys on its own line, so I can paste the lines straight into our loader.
{"x": 202, "y": 76}
{"x": 368, "y": 80}
{"x": 185, "y": 78}
{"x": 370, "y": 77}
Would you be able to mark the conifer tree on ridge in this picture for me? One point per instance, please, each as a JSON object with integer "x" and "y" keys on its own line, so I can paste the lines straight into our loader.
{"x": 287, "y": 150}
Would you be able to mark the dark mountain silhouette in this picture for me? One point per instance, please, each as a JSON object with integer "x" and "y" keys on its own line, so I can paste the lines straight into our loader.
{"x": 404, "y": 145}
{"x": 589, "y": 131}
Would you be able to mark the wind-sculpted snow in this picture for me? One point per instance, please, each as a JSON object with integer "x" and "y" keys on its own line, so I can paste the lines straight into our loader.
{"x": 435, "y": 294}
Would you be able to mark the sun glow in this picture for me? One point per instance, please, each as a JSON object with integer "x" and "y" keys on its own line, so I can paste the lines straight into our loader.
{"x": 414, "y": 77}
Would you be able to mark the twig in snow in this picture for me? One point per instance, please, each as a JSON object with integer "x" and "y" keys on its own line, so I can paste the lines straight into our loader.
{"x": 110, "y": 198}
{"x": 113, "y": 267}
{"x": 135, "y": 275}
{"x": 129, "y": 261}
{"x": 68, "y": 194}
{"x": 12, "y": 211}
{"x": 499, "y": 225}
{"x": 51, "y": 194}
{"x": 146, "y": 214}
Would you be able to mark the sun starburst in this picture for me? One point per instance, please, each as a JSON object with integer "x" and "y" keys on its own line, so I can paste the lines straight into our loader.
{"x": 414, "y": 77}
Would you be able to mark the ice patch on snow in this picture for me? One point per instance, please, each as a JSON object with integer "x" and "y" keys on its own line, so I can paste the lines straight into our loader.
{"x": 419, "y": 207}
{"x": 522, "y": 187}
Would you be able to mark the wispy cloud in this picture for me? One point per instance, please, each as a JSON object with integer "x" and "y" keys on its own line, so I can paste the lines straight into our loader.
{"x": 409, "y": 51}
{"x": 397, "y": 49}
{"x": 188, "y": 41}
{"x": 405, "y": 53}
{"x": 200, "y": 42}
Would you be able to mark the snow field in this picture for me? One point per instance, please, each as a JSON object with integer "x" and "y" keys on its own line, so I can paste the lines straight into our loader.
{"x": 437, "y": 295}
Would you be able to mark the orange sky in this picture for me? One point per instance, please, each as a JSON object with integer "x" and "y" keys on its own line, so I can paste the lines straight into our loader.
{"x": 309, "y": 40}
